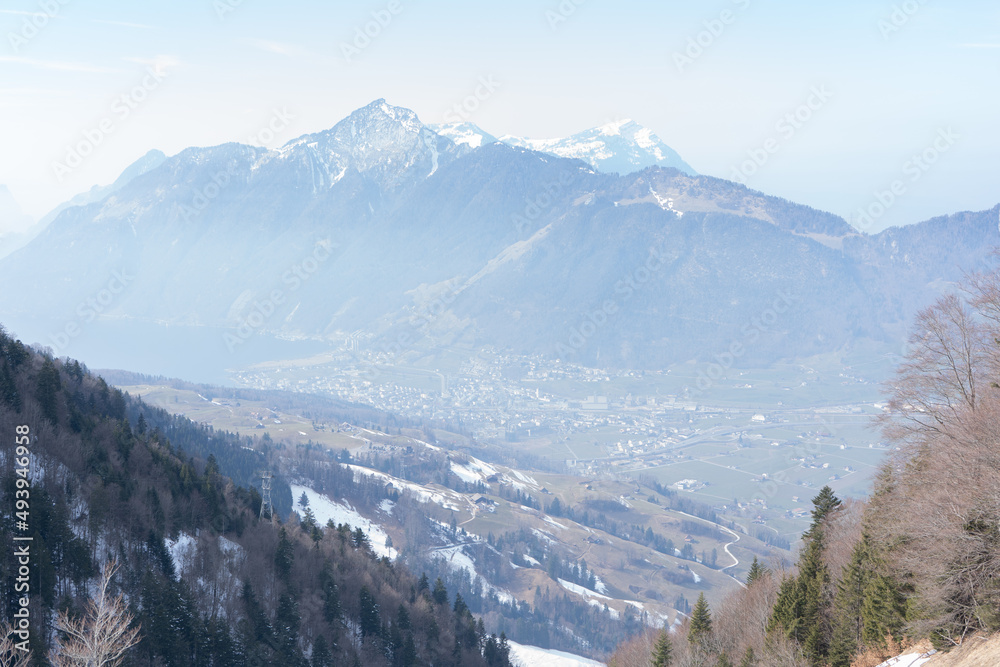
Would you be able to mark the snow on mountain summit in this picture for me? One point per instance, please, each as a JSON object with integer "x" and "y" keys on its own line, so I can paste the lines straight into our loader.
{"x": 387, "y": 143}
{"x": 465, "y": 134}
{"x": 623, "y": 146}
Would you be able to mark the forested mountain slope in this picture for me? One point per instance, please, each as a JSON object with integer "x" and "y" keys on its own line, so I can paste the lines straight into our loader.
{"x": 111, "y": 478}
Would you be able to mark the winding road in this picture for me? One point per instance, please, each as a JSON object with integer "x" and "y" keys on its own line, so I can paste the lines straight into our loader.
{"x": 736, "y": 561}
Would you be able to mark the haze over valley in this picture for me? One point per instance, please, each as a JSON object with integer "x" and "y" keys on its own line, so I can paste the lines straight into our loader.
{"x": 488, "y": 386}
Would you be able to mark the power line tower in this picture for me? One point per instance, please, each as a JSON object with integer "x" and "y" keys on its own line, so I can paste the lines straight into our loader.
{"x": 266, "y": 506}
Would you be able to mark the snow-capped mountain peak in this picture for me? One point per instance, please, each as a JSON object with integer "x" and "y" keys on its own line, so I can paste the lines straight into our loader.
{"x": 614, "y": 128}
{"x": 468, "y": 135}
{"x": 387, "y": 143}
{"x": 623, "y": 146}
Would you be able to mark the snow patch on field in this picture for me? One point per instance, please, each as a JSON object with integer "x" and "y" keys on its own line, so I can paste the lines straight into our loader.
{"x": 465, "y": 474}
{"x": 532, "y": 656}
{"x": 542, "y": 535}
{"x": 555, "y": 523}
{"x": 580, "y": 590}
{"x": 521, "y": 481}
{"x": 326, "y": 509}
{"x": 908, "y": 660}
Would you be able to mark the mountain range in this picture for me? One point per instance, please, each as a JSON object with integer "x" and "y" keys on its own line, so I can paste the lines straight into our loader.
{"x": 390, "y": 231}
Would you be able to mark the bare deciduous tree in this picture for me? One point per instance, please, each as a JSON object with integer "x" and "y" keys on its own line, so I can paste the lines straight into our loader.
{"x": 937, "y": 501}
{"x": 9, "y": 653}
{"x": 102, "y": 636}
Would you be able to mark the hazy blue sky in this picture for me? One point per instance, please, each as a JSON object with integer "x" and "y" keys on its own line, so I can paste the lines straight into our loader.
{"x": 895, "y": 82}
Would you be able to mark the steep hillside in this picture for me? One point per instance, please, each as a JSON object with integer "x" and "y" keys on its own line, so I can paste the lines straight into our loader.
{"x": 208, "y": 582}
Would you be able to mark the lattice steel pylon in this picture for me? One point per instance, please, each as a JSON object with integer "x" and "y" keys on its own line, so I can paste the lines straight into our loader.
{"x": 266, "y": 506}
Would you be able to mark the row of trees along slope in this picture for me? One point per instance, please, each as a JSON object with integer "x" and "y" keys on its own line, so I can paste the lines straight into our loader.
{"x": 108, "y": 484}
{"x": 919, "y": 560}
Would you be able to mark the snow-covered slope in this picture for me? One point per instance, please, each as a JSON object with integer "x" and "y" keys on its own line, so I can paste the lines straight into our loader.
{"x": 907, "y": 660}
{"x": 532, "y": 656}
{"x": 621, "y": 146}
{"x": 327, "y": 509}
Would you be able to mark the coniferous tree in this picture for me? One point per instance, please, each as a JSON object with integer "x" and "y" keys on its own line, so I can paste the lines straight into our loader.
{"x": 823, "y": 504}
{"x": 663, "y": 652}
{"x": 284, "y": 555}
{"x": 321, "y": 654}
{"x": 286, "y": 627}
{"x": 801, "y": 609}
{"x": 440, "y": 594}
{"x": 724, "y": 660}
{"x": 756, "y": 572}
{"x": 701, "y": 621}
{"x": 370, "y": 621}
{"x": 47, "y": 387}
{"x": 8, "y": 387}
{"x": 749, "y": 658}
{"x": 331, "y": 595}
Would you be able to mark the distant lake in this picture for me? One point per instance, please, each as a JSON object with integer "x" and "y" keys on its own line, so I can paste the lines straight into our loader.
{"x": 197, "y": 354}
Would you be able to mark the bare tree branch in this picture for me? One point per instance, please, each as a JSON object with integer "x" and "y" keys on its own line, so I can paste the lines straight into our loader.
{"x": 102, "y": 636}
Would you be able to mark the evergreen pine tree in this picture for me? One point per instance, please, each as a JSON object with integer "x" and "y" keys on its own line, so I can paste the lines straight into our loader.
{"x": 663, "y": 652}
{"x": 321, "y": 655}
{"x": 8, "y": 388}
{"x": 824, "y": 503}
{"x": 801, "y": 608}
{"x": 370, "y": 621}
{"x": 284, "y": 555}
{"x": 867, "y": 607}
{"x": 756, "y": 572}
{"x": 440, "y": 593}
{"x": 724, "y": 660}
{"x": 701, "y": 621}
{"x": 286, "y": 626}
{"x": 749, "y": 658}
{"x": 46, "y": 390}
